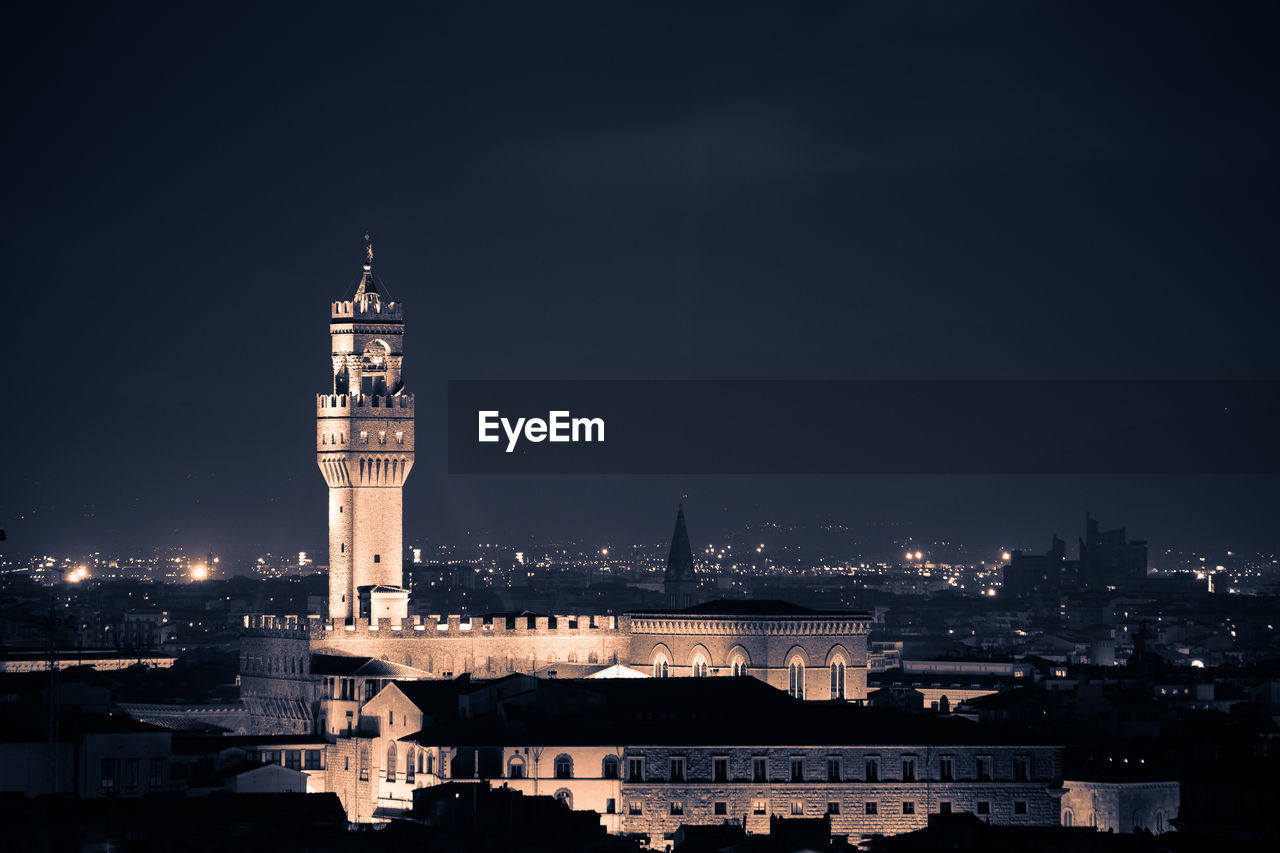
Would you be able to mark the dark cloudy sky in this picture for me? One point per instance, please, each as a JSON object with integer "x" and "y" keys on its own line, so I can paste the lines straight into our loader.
{"x": 648, "y": 190}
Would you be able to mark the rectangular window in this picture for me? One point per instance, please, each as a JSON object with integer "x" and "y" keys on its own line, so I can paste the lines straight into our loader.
{"x": 635, "y": 769}
{"x": 293, "y": 759}
{"x": 155, "y": 769}
{"x": 873, "y": 770}
{"x": 1019, "y": 806}
{"x": 871, "y": 807}
{"x": 677, "y": 769}
{"x": 1021, "y": 768}
{"x": 634, "y": 807}
{"x": 984, "y": 768}
{"x": 610, "y": 806}
{"x": 677, "y": 807}
{"x": 759, "y": 769}
{"x": 833, "y": 808}
{"x": 720, "y": 769}
{"x": 797, "y": 807}
{"x": 314, "y": 760}
{"x": 759, "y": 807}
{"x": 797, "y": 768}
{"x": 131, "y": 775}
{"x": 833, "y": 769}
{"x": 720, "y": 807}
{"x": 908, "y": 807}
{"x": 908, "y": 770}
{"x": 109, "y": 771}
{"x": 984, "y": 807}
{"x": 377, "y": 558}
{"x": 946, "y": 769}
{"x": 944, "y": 807}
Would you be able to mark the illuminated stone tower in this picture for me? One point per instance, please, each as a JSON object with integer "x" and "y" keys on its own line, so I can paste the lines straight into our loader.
{"x": 364, "y": 446}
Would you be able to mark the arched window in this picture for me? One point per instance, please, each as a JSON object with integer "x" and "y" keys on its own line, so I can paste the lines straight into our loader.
{"x": 739, "y": 667}
{"x": 699, "y": 667}
{"x": 1159, "y": 821}
{"x": 1067, "y": 817}
{"x": 1137, "y": 820}
{"x": 660, "y": 669}
{"x": 391, "y": 761}
{"x": 609, "y": 769}
{"x": 837, "y": 679}
{"x": 364, "y": 761}
{"x": 410, "y": 767}
{"x": 564, "y": 767}
{"x": 419, "y": 761}
{"x": 515, "y": 768}
{"x": 796, "y": 682}
{"x": 565, "y": 796}
{"x": 593, "y": 658}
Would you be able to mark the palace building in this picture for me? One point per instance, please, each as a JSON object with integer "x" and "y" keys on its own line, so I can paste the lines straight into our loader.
{"x": 291, "y": 665}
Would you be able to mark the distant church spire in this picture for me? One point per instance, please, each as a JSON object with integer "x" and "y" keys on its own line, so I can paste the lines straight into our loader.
{"x": 679, "y": 580}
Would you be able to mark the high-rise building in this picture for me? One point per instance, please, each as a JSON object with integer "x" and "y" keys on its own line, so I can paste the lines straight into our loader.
{"x": 364, "y": 446}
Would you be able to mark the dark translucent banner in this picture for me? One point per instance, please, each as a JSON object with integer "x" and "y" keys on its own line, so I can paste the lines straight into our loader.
{"x": 748, "y": 427}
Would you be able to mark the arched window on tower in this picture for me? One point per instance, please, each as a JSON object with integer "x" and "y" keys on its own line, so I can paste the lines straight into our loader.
{"x": 410, "y": 768}
{"x": 391, "y": 761}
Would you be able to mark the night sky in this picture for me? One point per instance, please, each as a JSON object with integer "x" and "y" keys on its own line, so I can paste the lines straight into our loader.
{"x": 611, "y": 190}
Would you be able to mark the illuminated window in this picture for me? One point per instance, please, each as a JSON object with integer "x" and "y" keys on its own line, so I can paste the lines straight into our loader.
{"x": 797, "y": 807}
{"x": 759, "y": 807}
{"x": 677, "y": 807}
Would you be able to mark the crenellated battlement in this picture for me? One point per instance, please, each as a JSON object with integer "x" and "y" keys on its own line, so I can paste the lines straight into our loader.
{"x": 452, "y": 625}
{"x": 344, "y": 405}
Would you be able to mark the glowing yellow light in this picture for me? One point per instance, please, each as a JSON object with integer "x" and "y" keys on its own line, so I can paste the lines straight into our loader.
{"x": 919, "y": 555}
{"x": 199, "y": 573}
{"x": 604, "y": 552}
{"x": 1006, "y": 556}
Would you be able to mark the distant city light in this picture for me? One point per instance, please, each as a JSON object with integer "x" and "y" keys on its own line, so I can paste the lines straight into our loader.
{"x": 77, "y": 574}
{"x": 604, "y": 552}
{"x": 1006, "y": 556}
{"x": 199, "y": 573}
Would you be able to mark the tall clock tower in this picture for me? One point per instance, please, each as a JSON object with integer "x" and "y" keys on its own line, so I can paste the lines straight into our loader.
{"x": 364, "y": 446}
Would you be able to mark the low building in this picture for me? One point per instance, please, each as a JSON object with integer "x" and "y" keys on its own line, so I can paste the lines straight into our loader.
{"x": 1126, "y": 805}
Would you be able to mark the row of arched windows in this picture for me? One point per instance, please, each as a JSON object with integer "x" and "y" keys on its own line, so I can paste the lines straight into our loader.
{"x": 562, "y": 767}
{"x": 416, "y": 761}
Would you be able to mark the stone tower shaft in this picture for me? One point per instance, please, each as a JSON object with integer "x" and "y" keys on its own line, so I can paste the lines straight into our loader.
{"x": 364, "y": 447}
